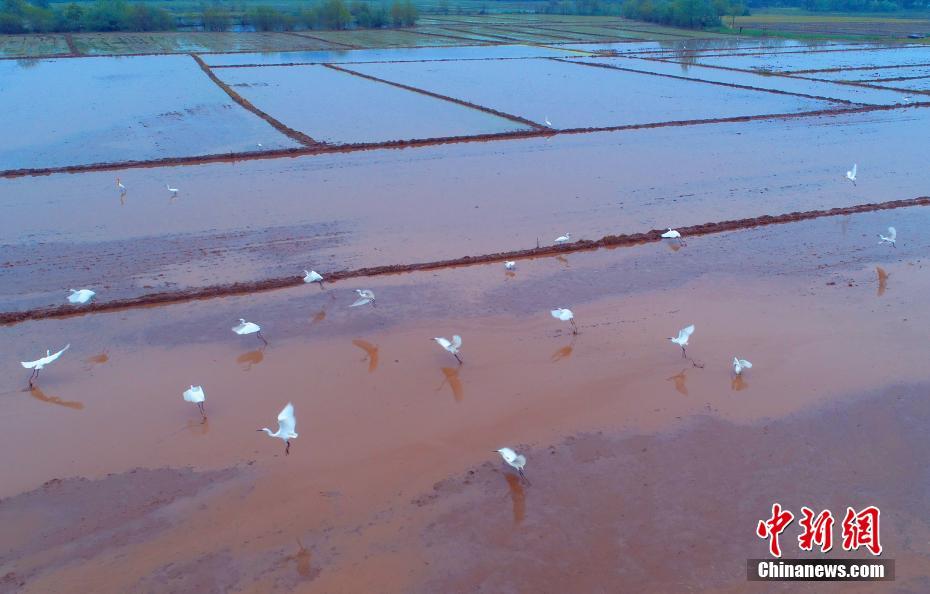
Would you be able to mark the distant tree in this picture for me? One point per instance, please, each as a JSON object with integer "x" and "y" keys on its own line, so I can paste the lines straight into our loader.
{"x": 268, "y": 18}
{"x": 215, "y": 18}
{"x": 403, "y": 13}
{"x": 334, "y": 14}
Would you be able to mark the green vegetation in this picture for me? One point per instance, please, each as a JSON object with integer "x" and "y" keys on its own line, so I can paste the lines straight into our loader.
{"x": 39, "y": 16}
{"x": 693, "y": 14}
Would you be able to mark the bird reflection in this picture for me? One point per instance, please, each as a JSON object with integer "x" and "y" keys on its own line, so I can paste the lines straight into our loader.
{"x": 38, "y": 394}
{"x": 455, "y": 383}
{"x": 371, "y": 353}
{"x": 247, "y": 360}
{"x": 510, "y": 273}
{"x": 844, "y": 225}
{"x": 198, "y": 427}
{"x": 882, "y": 280}
{"x": 562, "y": 259}
{"x": 738, "y": 383}
{"x": 517, "y": 496}
{"x": 99, "y": 359}
{"x": 679, "y": 380}
{"x": 318, "y": 317}
{"x": 674, "y": 245}
{"x": 304, "y": 569}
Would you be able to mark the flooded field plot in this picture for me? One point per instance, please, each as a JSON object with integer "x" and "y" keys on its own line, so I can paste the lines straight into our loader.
{"x": 536, "y": 89}
{"x": 815, "y": 61}
{"x": 391, "y": 55}
{"x": 379, "y": 38}
{"x": 917, "y": 84}
{"x": 870, "y": 75}
{"x": 154, "y": 43}
{"x": 119, "y": 109}
{"x": 256, "y": 220}
{"x": 759, "y": 81}
{"x": 464, "y": 36}
{"x": 338, "y": 107}
{"x": 613, "y": 423}
{"x": 16, "y": 46}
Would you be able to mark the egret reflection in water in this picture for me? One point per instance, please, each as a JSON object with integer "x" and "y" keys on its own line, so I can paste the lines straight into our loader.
{"x": 517, "y": 497}
{"x": 247, "y": 360}
{"x": 371, "y": 353}
{"x": 37, "y": 393}
{"x": 451, "y": 377}
{"x": 679, "y": 380}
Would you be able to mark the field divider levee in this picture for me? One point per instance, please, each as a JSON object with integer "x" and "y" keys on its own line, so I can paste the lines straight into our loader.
{"x": 608, "y": 241}
{"x": 325, "y": 149}
{"x": 315, "y": 38}
{"x": 69, "y": 40}
{"x": 291, "y": 133}
{"x": 709, "y": 82}
{"x": 511, "y": 117}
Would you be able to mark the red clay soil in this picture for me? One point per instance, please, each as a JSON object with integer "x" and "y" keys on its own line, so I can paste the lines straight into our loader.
{"x": 631, "y": 239}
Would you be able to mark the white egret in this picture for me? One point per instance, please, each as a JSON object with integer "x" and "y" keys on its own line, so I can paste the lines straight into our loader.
{"x": 80, "y": 297}
{"x": 287, "y": 422}
{"x": 39, "y": 364}
{"x": 740, "y": 364}
{"x": 243, "y": 328}
{"x": 174, "y": 191}
{"x": 510, "y": 265}
{"x": 365, "y": 296}
{"x": 851, "y": 174}
{"x": 682, "y": 339}
{"x": 515, "y": 460}
{"x": 548, "y": 123}
{"x": 566, "y": 315}
{"x": 671, "y": 234}
{"x": 453, "y": 346}
{"x": 312, "y": 276}
{"x": 563, "y": 238}
{"x": 892, "y": 236}
{"x": 120, "y": 185}
{"x": 195, "y": 394}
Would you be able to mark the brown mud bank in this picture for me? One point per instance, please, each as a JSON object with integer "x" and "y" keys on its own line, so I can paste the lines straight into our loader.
{"x": 609, "y": 241}
{"x": 677, "y": 512}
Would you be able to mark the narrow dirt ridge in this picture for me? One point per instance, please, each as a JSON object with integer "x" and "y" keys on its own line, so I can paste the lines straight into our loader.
{"x": 289, "y": 132}
{"x": 631, "y": 239}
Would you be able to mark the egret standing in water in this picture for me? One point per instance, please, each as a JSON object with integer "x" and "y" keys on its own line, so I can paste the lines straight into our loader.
{"x": 548, "y": 123}
{"x": 515, "y": 460}
{"x": 120, "y": 186}
{"x": 453, "y": 346}
{"x": 39, "y": 364}
{"x": 174, "y": 191}
{"x": 740, "y": 364}
{"x": 566, "y": 315}
{"x": 80, "y": 297}
{"x": 851, "y": 174}
{"x": 312, "y": 276}
{"x": 195, "y": 394}
{"x": 365, "y": 296}
{"x": 682, "y": 339}
{"x": 287, "y": 422}
{"x": 892, "y": 236}
{"x": 510, "y": 265}
{"x": 243, "y": 328}
{"x": 563, "y": 238}
{"x": 672, "y": 234}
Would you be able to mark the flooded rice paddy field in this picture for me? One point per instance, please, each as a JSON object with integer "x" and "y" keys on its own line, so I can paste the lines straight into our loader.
{"x": 648, "y": 471}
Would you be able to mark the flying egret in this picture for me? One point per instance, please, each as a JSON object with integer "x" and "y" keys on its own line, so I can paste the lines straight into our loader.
{"x": 671, "y": 234}
{"x": 510, "y": 265}
{"x": 365, "y": 296}
{"x": 120, "y": 185}
{"x": 851, "y": 174}
{"x": 682, "y": 339}
{"x": 195, "y": 394}
{"x": 892, "y": 236}
{"x": 244, "y": 327}
{"x": 80, "y": 297}
{"x": 453, "y": 346}
{"x": 174, "y": 191}
{"x": 39, "y": 364}
{"x": 566, "y": 315}
{"x": 563, "y": 238}
{"x": 287, "y": 422}
{"x": 740, "y": 364}
{"x": 548, "y": 123}
{"x": 514, "y": 459}
{"x": 312, "y": 276}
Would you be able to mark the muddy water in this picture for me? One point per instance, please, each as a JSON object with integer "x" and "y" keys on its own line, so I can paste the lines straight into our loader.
{"x": 261, "y": 219}
{"x": 337, "y": 107}
{"x": 758, "y": 81}
{"x": 565, "y": 93}
{"x": 384, "y": 415}
{"x": 119, "y": 109}
{"x": 910, "y": 55}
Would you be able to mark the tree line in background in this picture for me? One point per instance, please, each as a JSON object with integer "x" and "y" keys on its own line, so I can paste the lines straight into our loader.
{"x": 39, "y": 16}
{"x": 694, "y": 14}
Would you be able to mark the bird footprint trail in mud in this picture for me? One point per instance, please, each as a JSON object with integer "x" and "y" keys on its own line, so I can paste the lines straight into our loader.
{"x": 13, "y": 317}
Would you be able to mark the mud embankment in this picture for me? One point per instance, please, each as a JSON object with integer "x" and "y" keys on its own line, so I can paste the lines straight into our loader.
{"x": 608, "y": 241}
